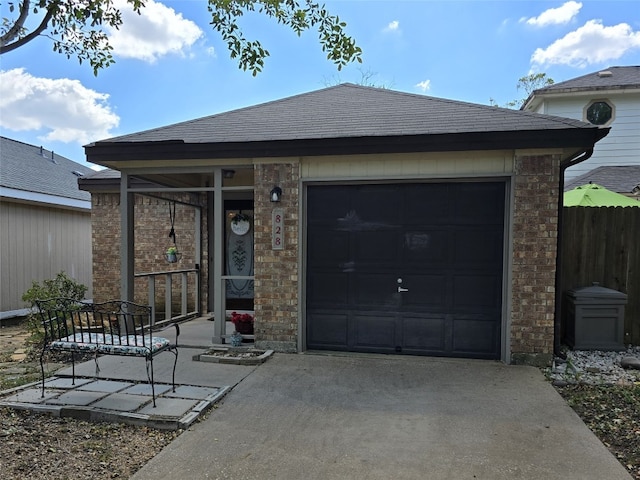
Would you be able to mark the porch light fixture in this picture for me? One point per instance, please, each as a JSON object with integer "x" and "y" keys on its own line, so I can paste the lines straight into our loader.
{"x": 228, "y": 173}
{"x": 276, "y": 194}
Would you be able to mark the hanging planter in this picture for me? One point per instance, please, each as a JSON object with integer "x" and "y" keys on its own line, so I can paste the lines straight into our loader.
{"x": 172, "y": 255}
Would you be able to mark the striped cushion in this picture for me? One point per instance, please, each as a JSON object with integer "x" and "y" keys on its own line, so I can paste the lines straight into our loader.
{"x": 135, "y": 345}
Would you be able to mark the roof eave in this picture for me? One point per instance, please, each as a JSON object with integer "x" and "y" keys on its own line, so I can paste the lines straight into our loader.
{"x": 111, "y": 154}
{"x": 537, "y": 96}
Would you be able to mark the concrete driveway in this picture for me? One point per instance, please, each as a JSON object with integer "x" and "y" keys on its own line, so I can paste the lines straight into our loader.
{"x": 379, "y": 417}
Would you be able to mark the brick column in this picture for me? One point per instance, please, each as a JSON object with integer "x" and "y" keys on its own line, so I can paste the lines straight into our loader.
{"x": 276, "y": 271}
{"x": 535, "y": 230}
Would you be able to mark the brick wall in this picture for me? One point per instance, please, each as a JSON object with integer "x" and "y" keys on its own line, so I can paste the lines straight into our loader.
{"x": 535, "y": 224}
{"x": 152, "y": 226}
{"x": 276, "y": 271}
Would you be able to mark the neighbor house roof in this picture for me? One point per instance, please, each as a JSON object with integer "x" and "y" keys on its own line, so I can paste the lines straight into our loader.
{"x": 621, "y": 79}
{"x": 347, "y": 119}
{"x": 620, "y": 179}
{"x": 35, "y": 174}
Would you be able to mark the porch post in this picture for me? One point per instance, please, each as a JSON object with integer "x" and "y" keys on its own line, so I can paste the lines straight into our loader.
{"x": 219, "y": 323}
{"x": 126, "y": 239}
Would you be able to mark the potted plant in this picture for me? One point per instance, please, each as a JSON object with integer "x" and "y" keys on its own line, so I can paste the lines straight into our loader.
{"x": 243, "y": 322}
{"x": 172, "y": 254}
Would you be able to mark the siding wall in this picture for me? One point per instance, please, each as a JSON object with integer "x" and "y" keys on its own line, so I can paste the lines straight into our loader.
{"x": 36, "y": 243}
{"x": 621, "y": 146}
{"x": 407, "y": 165}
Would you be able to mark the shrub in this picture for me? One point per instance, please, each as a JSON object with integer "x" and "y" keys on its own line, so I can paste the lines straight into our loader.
{"x": 61, "y": 286}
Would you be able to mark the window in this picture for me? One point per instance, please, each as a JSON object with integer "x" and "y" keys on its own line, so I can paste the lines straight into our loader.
{"x": 599, "y": 112}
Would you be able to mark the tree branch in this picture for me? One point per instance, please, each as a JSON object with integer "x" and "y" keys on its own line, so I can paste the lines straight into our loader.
{"x": 27, "y": 38}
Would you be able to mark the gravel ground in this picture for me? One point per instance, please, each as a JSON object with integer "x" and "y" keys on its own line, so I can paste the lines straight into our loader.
{"x": 34, "y": 446}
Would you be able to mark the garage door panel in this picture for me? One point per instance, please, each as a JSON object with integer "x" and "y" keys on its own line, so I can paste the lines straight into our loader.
{"x": 328, "y": 247}
{"x": 371, "y": 204}
{"x": 327, "y": 288}
{"x": 376, "y": 330}
{"x": 426, "y": 246}
{"x": 424, "y": 333}
{"x": 478, "y": 203}
{"x": 328, "y": 329}
{"x": 476, "y": 336}
{"x": 425, "y": 292}
{"x": 477, "y": 247}
{"x": 376, "y": 246}
{"x": 425, "y": 206}
{"x": 476, "y": 291}
{"x": 375, "y": 290}
{"x": 327, "y": 204}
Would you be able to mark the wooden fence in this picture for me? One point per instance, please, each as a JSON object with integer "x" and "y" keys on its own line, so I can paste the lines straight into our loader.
{"x": 603, "y": 245}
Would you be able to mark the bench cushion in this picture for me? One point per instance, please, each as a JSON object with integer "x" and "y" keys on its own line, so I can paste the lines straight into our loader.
{"x": 84, "y": 342}
{"x": 135, "y": 345}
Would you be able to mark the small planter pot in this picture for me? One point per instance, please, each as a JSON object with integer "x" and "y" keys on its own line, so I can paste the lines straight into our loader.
{"x": 236, "y": 339}
{"x": 171, "y": 257}
{"x": 244, "y": 328}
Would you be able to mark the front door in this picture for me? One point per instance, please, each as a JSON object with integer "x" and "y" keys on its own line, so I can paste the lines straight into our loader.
{"x": 406, "y": 268}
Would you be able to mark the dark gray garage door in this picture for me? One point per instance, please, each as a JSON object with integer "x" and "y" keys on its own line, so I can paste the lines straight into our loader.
{"x": 405, "y": 268}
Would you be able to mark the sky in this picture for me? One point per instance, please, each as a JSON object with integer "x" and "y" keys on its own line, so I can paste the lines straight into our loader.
{"x": 171, "y": 66}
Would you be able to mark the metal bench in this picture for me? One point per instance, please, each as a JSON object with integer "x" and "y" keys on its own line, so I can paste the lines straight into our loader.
{"x": 110, "y": 328}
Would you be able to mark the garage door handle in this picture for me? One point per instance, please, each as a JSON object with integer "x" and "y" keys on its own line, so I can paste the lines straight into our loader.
{"x": 401, "y": 290}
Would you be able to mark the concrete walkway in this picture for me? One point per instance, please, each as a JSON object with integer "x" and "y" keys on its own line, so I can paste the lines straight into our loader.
{"x": 336, "y": 416}
{"x": 375, "y": 417}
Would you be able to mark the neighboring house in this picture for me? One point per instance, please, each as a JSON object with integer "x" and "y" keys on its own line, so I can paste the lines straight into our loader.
{"x": 45, "y": 221}
{"x": 621, "y": 179}
{"x": 402, "y": 224}
{"x": 608, "y": 98}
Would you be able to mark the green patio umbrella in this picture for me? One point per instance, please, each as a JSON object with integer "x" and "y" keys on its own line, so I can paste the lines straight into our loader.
{"x": 594, "y": 195}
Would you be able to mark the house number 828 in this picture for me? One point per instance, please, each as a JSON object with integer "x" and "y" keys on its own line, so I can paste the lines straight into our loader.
{"x": 277, "y": 221}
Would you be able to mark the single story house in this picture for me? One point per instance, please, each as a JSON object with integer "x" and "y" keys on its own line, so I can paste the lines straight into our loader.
{"x": 45, "y": 221}
{"x": 377, "y": 221}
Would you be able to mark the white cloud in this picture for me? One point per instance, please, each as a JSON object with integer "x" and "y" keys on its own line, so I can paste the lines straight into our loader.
{"x": 555, "y": 16}
{"x": 589, "y": 44}
{"x": 393, "y": 26}
{"x": 424, "y": 85}
{"x": 156, "y": 32}
{"x": 67, "y": 110}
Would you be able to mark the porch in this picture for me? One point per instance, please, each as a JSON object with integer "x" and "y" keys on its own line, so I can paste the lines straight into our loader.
{"x": 121, "y": 392}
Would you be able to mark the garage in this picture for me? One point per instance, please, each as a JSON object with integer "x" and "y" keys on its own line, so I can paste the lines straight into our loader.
{"x": 406, "y": 268}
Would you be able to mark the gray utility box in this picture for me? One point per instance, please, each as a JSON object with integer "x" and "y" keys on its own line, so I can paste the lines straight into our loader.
{"x": 595, "y": 318}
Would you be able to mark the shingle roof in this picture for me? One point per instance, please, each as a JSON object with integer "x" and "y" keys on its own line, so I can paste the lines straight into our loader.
{"x": 28, "y": 168}
{"x": 621, "y": 179}
{"x": 349, "y": 110}
{"x": 606, "y": 79}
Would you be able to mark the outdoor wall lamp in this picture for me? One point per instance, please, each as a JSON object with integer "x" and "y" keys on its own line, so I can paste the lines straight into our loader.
{"x": 228, "y": 173}
{"x": 276, "y": 194}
